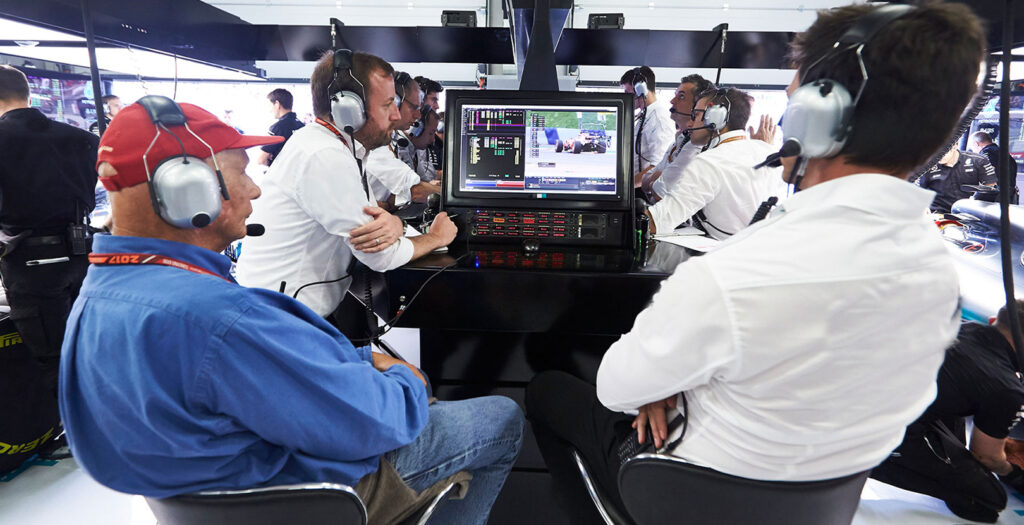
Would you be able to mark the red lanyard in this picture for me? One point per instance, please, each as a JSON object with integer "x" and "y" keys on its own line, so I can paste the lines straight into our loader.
{"x": 119, "y": 259}
{"x": 332, "y": 129}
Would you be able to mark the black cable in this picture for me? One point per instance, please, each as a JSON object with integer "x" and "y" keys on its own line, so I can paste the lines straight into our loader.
{"x": 390, "y": 323}
{"x": 296, "y": 294}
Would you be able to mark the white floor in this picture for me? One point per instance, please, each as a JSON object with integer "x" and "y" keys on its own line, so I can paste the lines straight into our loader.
{"x": 57, "y": 493}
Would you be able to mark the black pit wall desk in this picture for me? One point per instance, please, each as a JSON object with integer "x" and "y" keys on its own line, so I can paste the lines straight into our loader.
{"x": 500, "y": 316}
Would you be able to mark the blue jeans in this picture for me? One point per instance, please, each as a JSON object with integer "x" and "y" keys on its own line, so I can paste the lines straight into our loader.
{"x": 481, "y": 436}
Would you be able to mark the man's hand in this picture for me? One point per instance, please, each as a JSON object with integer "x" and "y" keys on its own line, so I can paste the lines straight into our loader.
{"x": 444, "y": 229}
{"x": 383, "y": 231}
{"x": 653, "y": 414}
{"x": 638, "y": 179}
{"x": 648, "y": 183}
{"x": 383, "y": 362}
{"x": 765, "y": 131}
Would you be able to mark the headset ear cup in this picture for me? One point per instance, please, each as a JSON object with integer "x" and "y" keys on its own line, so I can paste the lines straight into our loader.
{"x": 817, "y": 118}
{"x": 416, "y": 129}
{"x": 640, "y": 89}
{"x": 186, "y": 192}
{"x": 348, "y": 111}
{"x": 717, "y": 115}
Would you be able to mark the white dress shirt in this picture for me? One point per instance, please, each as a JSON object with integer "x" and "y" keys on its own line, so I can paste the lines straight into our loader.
{"x": 723, "y": 183}
{"x": 424, "y": 166}
{"x": 390, "y": 176}
{"x": 312, "y": 198}
{"x": 806, "y": 343}
{"x": 678, "y": 158}
{"x": 657, "y": 136}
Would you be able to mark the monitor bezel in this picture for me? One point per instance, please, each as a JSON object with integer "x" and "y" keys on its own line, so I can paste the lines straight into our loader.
{"x": 455, "y": 196}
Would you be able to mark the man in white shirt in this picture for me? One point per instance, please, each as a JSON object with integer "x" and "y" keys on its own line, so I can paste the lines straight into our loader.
{"x": 719, "y": 188}
{"x": 682, "y": 150}
{"x": 653, "y": 130}
{"x": 391, "y": 176}
{"x": 801, "y": 347}
{"x": 316, "y": 197}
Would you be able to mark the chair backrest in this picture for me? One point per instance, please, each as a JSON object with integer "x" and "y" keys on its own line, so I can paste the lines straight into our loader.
{"x": 660, "y": 489}
{"x": 308, "y": 504}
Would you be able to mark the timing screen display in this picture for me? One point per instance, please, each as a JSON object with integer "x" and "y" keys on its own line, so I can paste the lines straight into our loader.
{"x": 539, "y": 149}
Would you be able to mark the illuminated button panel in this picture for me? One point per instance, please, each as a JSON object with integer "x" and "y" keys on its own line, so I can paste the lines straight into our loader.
{"x": 554, "y": 225}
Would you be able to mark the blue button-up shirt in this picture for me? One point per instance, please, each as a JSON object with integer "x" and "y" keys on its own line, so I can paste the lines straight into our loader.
{"x": 173, "y": 381}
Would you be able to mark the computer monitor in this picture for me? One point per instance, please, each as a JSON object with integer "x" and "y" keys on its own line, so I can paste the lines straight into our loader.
{"x": 537, "y": 154}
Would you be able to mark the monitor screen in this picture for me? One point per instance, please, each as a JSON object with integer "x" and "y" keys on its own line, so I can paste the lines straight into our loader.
{"x": 535, "y": 147}
{"x": 538, "y": 150}
{"x": 66, "y": 100}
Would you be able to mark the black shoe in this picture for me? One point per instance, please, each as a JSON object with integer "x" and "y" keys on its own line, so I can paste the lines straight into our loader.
{"x": 56, "y": 448}
{"x": 972, "y": 510}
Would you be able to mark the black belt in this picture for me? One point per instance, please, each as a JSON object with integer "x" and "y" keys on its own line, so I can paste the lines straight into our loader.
{"x": 43, "y": 240}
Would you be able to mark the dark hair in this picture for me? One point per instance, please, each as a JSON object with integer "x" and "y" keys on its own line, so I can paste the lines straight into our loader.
{"x": 363, "y": 65}
{"x": 403, "y": 84}
{"x": 739, "y": 105}
{"x": 13, "y": 84}
{"x": 282, "y": 96}
{"x": 429, "y": 86}
{"x": 923, "y": 70}
{"x": 426, "y": 113}
{"x": 700, "y": 84}
{"x": 637, "y": 74}
{"x": 1003, "y": 317}
{"x": 107, "y": 98}
{"x": 982, "y": 137}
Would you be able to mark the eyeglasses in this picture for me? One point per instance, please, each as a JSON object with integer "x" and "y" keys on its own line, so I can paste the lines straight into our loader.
{"x": 693, "y": 115}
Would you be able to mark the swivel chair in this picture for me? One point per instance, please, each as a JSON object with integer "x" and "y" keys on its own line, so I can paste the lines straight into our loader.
{"x": 308, "y": 503}
{"x": 658, "y": 489}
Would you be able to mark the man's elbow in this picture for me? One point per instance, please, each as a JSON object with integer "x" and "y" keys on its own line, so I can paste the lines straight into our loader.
{"x": 422, "y": 190}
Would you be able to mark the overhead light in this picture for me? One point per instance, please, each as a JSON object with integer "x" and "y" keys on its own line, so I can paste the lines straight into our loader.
{"x": 27, "y": 43}
{"x": 12, "y": 30}
{"x": 650, "y": 5}
{"x": 132, "y": 62}
{"x": 410, "y": 6}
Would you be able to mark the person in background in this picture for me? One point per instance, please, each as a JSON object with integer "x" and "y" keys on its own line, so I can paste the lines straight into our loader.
{"x": 287, "y": 123}
{"x": 719, "y": 189}
{"x": 952, "y": 172}
{"x": 437, "y": 148}
{"x": 424, "y": 167}
{"x": 391, "y": 168}
{"x": 979, "y": 378}
{"x": 431, "y": 91}
{"x": 981, "y": 142}
{"x": 111, "y": 106}
{"x": 682, "y": 151}
{"x": 47, "y": 189}
{"x": 653, "y": 130}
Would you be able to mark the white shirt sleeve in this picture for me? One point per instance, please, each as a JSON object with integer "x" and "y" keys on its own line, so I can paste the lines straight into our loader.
{"x": 383, "y": 167}
{"x": 671, "y": 173}
{"x": 335, "y": 199}
{"x": 658, "y": 136}
{"x": 424, "y": 167}
{"x": 682, "y": 340}
{"x": 698, "y": 185}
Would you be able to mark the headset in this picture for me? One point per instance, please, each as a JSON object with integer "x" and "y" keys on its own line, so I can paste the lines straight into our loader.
{"x": 640, "y": 88}
{"x": 401, "y": 79}
{"x": 183, "y": 189}
{"x": 717, "y": 112}
{"x": 348, "y": 109}
{"x": 819, "y": 117}
{"x": 418, "y": 126}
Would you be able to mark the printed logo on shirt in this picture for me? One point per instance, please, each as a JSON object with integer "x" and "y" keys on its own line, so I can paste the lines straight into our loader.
{"x": 1017, "y": 418}
{"x": 10, "y": 339}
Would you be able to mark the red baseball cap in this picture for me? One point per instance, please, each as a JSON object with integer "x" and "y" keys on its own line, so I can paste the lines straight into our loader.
{"x": 130, "y": 133}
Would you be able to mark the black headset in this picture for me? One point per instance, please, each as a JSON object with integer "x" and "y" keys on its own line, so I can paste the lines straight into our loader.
{"x": 819, "y": 117}
{"x": 421, "y": 123}
{"x": 348, "y": 109}
{"x": 401, "y": 80}
{"x": 183, "y": 189}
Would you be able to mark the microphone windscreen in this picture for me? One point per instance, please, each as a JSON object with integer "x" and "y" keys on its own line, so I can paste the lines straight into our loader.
{"x": 402, "y": 143}
{"x": 434, "y": 201}
{"x": 254, "y": 230}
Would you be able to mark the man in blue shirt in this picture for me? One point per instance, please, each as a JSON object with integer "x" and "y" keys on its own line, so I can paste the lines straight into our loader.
{"x": 176, "y": 379}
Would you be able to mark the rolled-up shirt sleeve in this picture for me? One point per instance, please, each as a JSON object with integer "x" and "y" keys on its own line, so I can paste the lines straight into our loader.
{"x": 682, "y": 340}
{"x": 391, "y": 173}
{"x": 335, "y": 199}
{"x": 698, "y": 185}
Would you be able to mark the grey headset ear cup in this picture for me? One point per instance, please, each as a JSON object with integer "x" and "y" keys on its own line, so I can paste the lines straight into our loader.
{"x": 348, "y": 111}
{"x": 416, "y": 129}
{"x": 815, "y": 117}
{"x": 640, "y": 89}
{"x": 717, "y": 115}
{"x": 186, "y": 191}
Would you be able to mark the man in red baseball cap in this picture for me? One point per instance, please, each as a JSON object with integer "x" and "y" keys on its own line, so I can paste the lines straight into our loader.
{"x": 174, "y": 378}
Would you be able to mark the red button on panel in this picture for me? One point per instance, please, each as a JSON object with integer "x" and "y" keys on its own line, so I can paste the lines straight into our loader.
{"x": 528, "y": 221}
{"x": 559, "y": 235}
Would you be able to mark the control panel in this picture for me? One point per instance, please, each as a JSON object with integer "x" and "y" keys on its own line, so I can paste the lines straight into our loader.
{"x": 590, "y": 228}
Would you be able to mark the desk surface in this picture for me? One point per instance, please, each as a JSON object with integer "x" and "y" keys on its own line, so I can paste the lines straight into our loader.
{"x": 500, "y": 288}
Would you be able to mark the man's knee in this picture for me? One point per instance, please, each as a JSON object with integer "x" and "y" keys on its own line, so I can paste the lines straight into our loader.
{"x": 508, "y": 417}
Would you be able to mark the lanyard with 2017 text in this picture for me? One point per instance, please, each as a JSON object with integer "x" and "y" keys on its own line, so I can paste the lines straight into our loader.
{"x": 139, "y": 259}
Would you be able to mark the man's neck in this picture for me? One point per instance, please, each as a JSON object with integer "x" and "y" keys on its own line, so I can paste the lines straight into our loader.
{"x": 166, "y": 232}
{"x": 7, "y": 105}
{"x": 824, "y": 170}
{"x": 651, "y": 98}
{"x": 281, "y": 112}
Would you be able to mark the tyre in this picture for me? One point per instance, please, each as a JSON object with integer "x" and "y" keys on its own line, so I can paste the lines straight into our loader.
{"x": 577, "y": 148}
{"x": 558, "y": 147}
{"x": 601, "y": 148}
